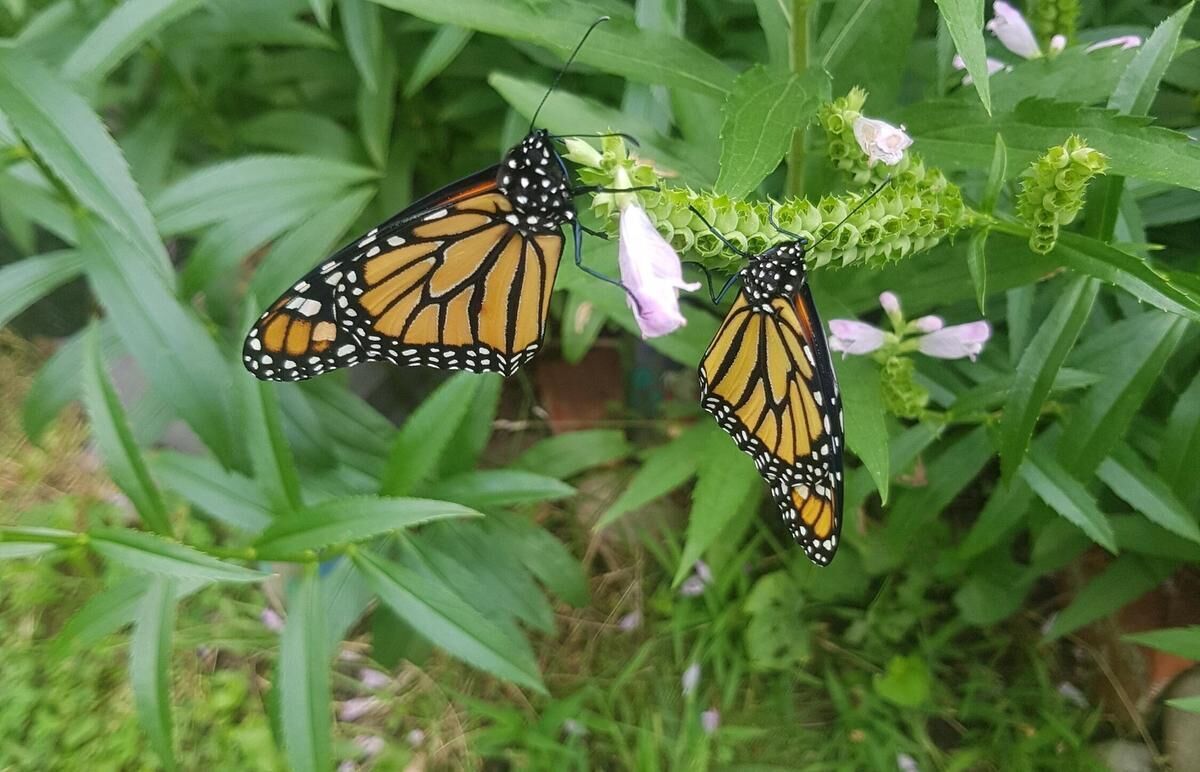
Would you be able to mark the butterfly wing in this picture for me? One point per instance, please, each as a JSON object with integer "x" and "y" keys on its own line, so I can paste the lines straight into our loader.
{"x": 455, "y": 281}
{"x": 461, "y": 287}
{"x": 768, "y": 380}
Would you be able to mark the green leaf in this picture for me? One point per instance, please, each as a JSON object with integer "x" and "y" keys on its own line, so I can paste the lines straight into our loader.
{"x": 488, "y": 488}
{"x": 1190, "y": 704}
{"x": 866, "y": 432}
{"x": 150, "y": 665}
{"x": 274, "y": 465}
{"x": 119, "y": 34}
{"x": 997, "y": 174}
{"x": 144, "y": 552}
{"x": 541, "y": 553}
{"x": 1129, "y": 272}
{"x": 1137, "y": 534}
{"x": 663, "y": 469}
{"x": 1065, "y": 495}
{"x": 299, "y": 132}
{"x": 1099, "y": 421}
{"x": 618, "y": 47}
{"x": 111, "y": 432}
{"x": 60, "y": 127}
{"x": 1004, "y": 512}
{"x": 473, "y": 434}
{"x": 351, "y": 519}
{"x": 449, "y": 622}
{"x": 426, "y": 435}
{"x": 252, "y": 186}
{"x": 1073, "y": 75}
{"x": 24, "y": 550}
{"x": 1180, "y": 455}
{"x": 363, "y": 28}
{"x": 866, "y": 43}
{"x": 27, "y": 281}
{"x": 566, "y": 455}
{"x": 1126, "y": 475}
{"x": 964, "y": 19}
{"x": 303, "y": 684}
{"x": 170, "y": 346}
{"x": 1180, "y": 641}
{"x": 977, "y": 264}
{"x": 446, "y": 44}
{"x": 1139, "y": 83}
{"x": 727, "y": 487}
{"x": 1038, "y": 368}
{"x": 111, "y": 609}
{"x": 377, "y": 108}
{"x": 906, "y": 682}
{"x": 305, "y": 246}
{"x": 1127, "y": 579}
{"x": 761, "y": 113}
{"x": 961, "y": 136}
{"x": 776, "y": 26}
{"x": 227, "y": 496}
{"x": 320, "y": 9}
{"x": 582, "y": 323}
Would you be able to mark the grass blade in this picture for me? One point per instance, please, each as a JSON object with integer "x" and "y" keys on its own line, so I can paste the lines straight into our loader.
{"x": 303, "y": 678}
{"x": 150, "y": 665}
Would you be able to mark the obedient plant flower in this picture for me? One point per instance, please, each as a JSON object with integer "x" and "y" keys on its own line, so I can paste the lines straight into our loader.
{"x": 690, "y": 680}
{"x": 927, "y": 334}
{"x": 1014, "y": 32}
{"x": 993, "y": 66}
{"x": 710, "y": 720}
{"x": 1124, "y": 41}
{"x": 630, "y": 622}
{"x": 650, "y": 269}
{"x": 881, "y": 141}
{"x": 271, "y": 620}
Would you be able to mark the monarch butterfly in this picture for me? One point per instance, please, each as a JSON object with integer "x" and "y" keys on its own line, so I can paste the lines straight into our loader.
{"x": 768, "y": 379}
{"x": 459, "y": 280}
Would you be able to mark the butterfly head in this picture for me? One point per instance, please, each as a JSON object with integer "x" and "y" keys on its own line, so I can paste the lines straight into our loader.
{"x": 778, "y": 271}
{"x": 534, "y": 178}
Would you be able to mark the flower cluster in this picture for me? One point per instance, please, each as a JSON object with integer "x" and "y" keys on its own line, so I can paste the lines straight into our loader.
{"x": 1055, "y": 18}
{"x": 929, "y": 335}
{"x": 1053, "y": 187}
{"x": 915, "y": 211}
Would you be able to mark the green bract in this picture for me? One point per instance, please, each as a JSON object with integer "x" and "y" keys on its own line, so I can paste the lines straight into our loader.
{"x": 1053, "y": 188}
{"x": 917, "y": 209}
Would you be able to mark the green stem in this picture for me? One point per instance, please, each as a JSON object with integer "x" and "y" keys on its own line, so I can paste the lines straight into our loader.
{"x": 799, "y": 62}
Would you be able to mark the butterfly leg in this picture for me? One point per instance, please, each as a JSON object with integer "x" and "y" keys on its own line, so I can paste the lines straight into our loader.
{"x": 594, "y": 232}
{"x": 720, "y": 236}
{"x": 771, "y": 219}
{"x": 579, "y": 229}
{"x": 714, "y": 296}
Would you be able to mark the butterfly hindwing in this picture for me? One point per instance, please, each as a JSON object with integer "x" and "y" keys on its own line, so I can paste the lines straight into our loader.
{"x": 768, "y": 380}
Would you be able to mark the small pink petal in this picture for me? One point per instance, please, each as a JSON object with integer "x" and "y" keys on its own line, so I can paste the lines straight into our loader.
{"x": 271, "y": 620}
{"x": 370, "y": 745}
{"x": 1124, "y": 41}
{"x": 630, "y": 622}
{"x": 852, "y": 337}
{"x": 652, "y": 274}
{"x": 1014, "y": 32}
{"x": 993, "y": 66}
{"x": 356, "y": 708}
{"x": 928, "y": 324}
{"x": 703, "y": 571}
{"x": 691, "y": 587}
{"x": 373, "y": 679}
{"x": 890, "y": 303}
{"x": 961, "y": 340}
{"x": 710, "y": 720}
{"x": 1058, "y": 43}
{"x": 690, "y": 679}
{"x": 415, "y": 738}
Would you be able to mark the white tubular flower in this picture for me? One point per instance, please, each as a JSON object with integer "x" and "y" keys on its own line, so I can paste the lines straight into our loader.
{"x": 652, "y": 274}
{"x": 993, "y": 66}
{"x": 961, "y": 340}
{"x": 881, "y": 141}
{"x": 1014, "y": 32}
{"x": 1124, "y": 41}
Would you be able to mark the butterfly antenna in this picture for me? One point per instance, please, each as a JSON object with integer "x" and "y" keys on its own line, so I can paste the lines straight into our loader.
{"x": 563, "y": 71}
{"x": 853, "y": 211}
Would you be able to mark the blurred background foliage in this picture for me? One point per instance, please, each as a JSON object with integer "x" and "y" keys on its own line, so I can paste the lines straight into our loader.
{"x": 180, "y": 585}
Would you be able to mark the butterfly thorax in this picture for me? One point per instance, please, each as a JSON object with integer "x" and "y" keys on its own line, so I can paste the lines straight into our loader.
{"x": 533, "y": 178}
{"x": 777, "y": 272}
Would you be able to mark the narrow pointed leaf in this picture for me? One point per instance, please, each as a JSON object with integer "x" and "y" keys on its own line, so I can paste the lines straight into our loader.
{"x": 27, "y": 281}
{"x": 119, "y": 34}
{"x": 426, "y": 435}
{"x": 150, "y": 665}
{"x": 1065, "y": 495}
{"x": 303, "y": 678}
{"x": 964, "y": 19}
{"x": 866, "y": 432}
{"x": 443, "y": 47}
{"x": 147, "y": 553}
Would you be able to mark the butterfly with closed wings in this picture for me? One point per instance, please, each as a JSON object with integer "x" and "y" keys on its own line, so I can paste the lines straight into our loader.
{"x": 459, "y": 280}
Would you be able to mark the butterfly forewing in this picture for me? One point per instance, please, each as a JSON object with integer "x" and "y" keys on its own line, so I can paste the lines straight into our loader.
{"x": 459, "y": 280}
{"x": 768, "y": 380}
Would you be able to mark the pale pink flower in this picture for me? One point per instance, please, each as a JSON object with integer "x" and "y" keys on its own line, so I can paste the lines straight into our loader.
{"x": 703, "y": 571}
{"x": 1124, "y": 41}
{"x": 928, "y": 324}
{"x": 373, "y": 679}
{"x": 691, "y": 587}
{"x": 370, "y": 745}
{"x": 881, "y": 141}
{"x": 690, "y": 680}
{"x": 710, "y": 720}
{"x": 852, "y": 337}
{"x": 1072, "y": 694}
{"x": 357, "y": 707}
{"x": 890, "y": 304}
{"x": 961, "y": 340}
{"x": 630, "y": 622}
{"x": 415, "y": 738}
{"x": 906, "y": 763}
{"x": 993, "y": 66}
{"x": 1010, "y": 27}
{"x": 271, "y": 620}
{"x": 1058, "y": 43}
{"x": 651, "y": 273}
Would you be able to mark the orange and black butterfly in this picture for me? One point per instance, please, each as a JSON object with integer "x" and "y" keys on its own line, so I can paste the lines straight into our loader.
{"x": 768, "y": 379}
{"x": 459, "y": 280}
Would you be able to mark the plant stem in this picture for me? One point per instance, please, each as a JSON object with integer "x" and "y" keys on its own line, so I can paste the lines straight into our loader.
{"x": 799, "y": 64}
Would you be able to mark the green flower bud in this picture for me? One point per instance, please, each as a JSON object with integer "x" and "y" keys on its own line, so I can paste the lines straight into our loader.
{"x": 1054, "y": 17}
{"x": 1052, "y": 190}
{"x": 902, "y": 395}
